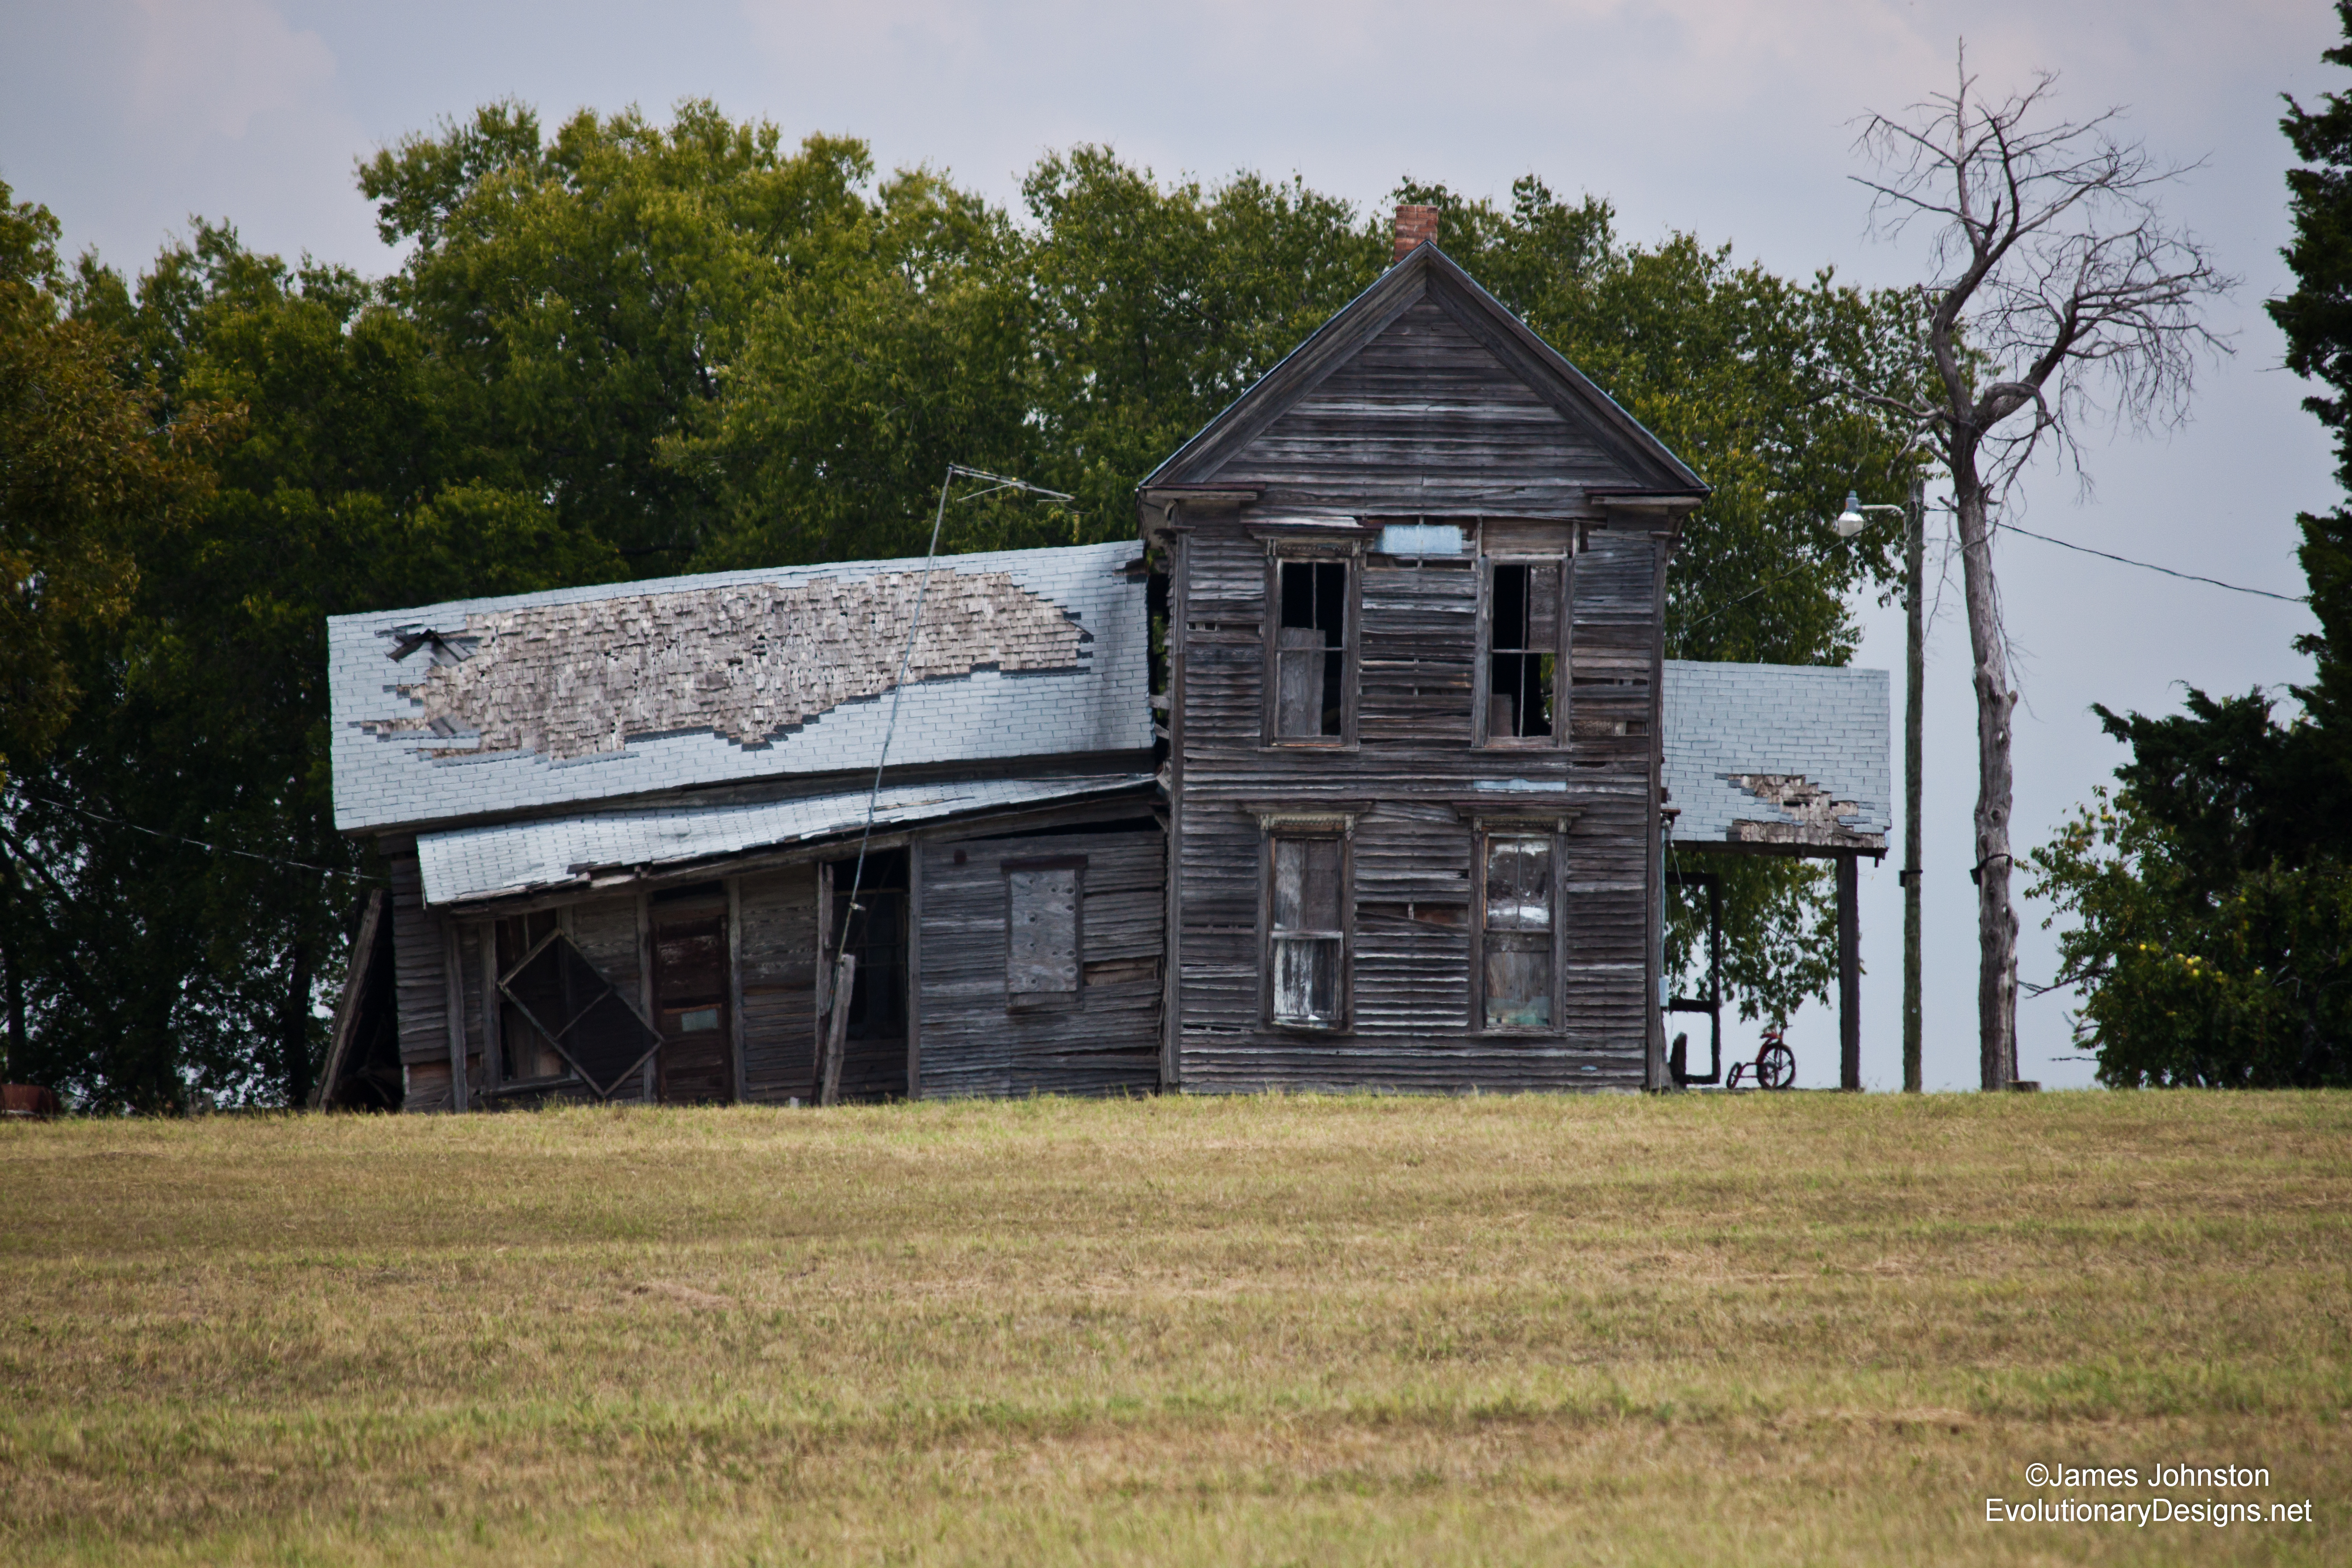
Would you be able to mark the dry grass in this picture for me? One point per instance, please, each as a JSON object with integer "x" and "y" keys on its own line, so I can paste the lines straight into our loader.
{"x": 1809, "y": 1328}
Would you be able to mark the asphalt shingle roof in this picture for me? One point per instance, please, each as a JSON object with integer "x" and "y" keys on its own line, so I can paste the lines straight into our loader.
{"x": 1828, "y": 726}
{"x": 680, "y": 650}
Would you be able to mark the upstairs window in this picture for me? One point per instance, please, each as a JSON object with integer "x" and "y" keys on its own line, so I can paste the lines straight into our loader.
{"x": 1523, "y": 654}
{"x": 1515, "y": 967}
{"x": 1312, "y": 680}
{"x": 1306, "y": 949}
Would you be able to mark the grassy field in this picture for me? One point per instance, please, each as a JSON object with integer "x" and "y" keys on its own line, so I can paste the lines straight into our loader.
{"x": 1795, "y": 1328}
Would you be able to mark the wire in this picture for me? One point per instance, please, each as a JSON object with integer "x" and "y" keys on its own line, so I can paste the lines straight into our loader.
{"x": 2152, "y": 566}
{"x": 906, "y": 660}
{"x": 201, "y": 844}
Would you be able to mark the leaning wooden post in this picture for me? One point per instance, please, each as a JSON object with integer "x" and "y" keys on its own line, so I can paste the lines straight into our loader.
{"x": 836, "y": 1031}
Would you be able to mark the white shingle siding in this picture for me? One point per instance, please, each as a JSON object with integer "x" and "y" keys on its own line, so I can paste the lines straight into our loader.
{"x": 1831, "y": 725}
{"x": 385, "y": 781}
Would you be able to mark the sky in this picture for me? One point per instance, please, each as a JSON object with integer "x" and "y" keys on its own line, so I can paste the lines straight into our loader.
{"x": 1733, "y": 120}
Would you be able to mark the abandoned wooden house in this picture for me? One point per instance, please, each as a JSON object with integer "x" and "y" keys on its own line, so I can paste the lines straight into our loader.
{"x": 1389, "y": 807}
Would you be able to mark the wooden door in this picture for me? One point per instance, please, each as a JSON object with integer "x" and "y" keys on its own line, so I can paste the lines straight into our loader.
{"x": 690, "y": 1006}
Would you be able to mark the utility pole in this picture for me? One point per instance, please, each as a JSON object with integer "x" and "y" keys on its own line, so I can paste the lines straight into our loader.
{"x": 1914, "y": 575}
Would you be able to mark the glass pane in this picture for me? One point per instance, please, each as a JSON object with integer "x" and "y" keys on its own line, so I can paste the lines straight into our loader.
{"x": 1307, "y": 884}
{"x": 1519, "y": 984}
{"x": 1306, "y": 979}
{"x": 1519, "y": 884}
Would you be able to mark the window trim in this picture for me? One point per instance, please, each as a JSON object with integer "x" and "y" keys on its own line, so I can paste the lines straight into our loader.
{"x": 1484, "y": 831}
{"x": 1349, "y": 554}
{"x": 1483, "y": 666}
{"x": 1026, "y": 1002}
{"x": 1330, "y": 828}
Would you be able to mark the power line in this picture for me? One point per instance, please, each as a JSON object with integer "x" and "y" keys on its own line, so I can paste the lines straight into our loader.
{"x": 2152, "y": 566}
{"x": 201, "y": 844}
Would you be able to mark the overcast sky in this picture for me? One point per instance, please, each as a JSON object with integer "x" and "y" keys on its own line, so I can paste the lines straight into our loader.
{"x": 1731, "y": 119}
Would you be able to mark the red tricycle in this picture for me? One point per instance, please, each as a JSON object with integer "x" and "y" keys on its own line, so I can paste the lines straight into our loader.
{"x": 1775, "y": 1065}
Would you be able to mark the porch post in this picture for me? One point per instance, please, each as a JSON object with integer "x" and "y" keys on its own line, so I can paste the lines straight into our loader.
{"x": 1849, "y": 923}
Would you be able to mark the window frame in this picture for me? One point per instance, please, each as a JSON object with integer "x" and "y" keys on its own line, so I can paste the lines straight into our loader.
{"x": 1339, "y": 829}
{"x": 1025, "y": 1002}
{"x": 1485, "y": 831}
{"x": 1483, "y": 667}
{"x": 1348, "y": 556}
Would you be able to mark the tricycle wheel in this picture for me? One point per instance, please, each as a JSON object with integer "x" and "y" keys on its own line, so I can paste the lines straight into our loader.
{"x": 1776, "y": 1066}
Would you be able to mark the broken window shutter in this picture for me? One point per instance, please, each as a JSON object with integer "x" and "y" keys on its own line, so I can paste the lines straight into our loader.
{"x": 1041, "y": 933}
{"x": 569, "y": 1000}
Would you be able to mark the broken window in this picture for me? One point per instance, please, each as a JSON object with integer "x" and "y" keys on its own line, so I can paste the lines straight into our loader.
{"x": 525, "y": 1053}
{"x": 1522, "y": 649}
{"x": 1310, "y": 652}
{"x": 1307, "y": 954}
{"x": 568, "y": 1000}
{"x": 1515, "y": 969}
{"x": 1040, "y": 930}
{"x": 876, "y": 933}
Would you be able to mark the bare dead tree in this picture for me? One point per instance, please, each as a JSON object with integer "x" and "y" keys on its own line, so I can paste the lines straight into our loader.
{"x": 2061, "y": 302}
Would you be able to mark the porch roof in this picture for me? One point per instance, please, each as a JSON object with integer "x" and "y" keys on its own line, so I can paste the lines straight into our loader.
{"x": 468, "y": 864}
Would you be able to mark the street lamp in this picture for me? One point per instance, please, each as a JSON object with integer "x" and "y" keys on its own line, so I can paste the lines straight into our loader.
{"x": 1850, "y": 522}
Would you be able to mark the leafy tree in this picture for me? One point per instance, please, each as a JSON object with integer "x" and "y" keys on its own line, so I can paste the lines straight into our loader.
{"x": 2211, "y": 890}
{"x": 186, "y": 924}
{"x": 1155, "y": 307}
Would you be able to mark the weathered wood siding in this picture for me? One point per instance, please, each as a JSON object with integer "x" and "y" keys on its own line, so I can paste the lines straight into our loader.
{"x": 1412, "y": 791}
{"x": 1426, "y": 419}
{"x": 776, "y": 949}
{"x": 421, "y": 984}
{"x": 1105, "y": 1038}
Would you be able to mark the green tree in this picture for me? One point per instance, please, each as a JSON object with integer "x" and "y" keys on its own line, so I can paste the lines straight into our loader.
{"x": 1155, "y": 306}
{"x": 2210, "y": 892}
{"x": 187, "y": 923}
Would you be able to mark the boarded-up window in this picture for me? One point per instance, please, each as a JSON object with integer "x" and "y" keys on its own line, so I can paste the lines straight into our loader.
{"x": 1310, "y": 656}
{"x": 1040, "y": 930}
{"x": 1523, "y": 649}
{"x": 1516, "y": 974}
{"x": 1308, "y": 952}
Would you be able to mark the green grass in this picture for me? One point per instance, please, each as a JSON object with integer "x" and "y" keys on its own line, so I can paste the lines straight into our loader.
{"x": 1805, "y": 1327}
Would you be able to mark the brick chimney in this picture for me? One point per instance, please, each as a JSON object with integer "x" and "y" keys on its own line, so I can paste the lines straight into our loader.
{"x": 1414, "y": 226}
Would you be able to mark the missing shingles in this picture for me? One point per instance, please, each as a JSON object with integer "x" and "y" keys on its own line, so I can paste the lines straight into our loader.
{"x": 1803, "y": 799}
{"x": 748, "y": 662}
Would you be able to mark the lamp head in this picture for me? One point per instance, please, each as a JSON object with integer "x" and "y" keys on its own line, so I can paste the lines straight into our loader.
{"x": 1849, "y": 522}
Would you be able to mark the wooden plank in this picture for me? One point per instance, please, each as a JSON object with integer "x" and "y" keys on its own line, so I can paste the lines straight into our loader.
{"x": 454, "y": 1014}
{"x": 347, "y": 1006}
{"x": 646, "y": 986}
{"x": 735, "y": 984}
{"x": 914, "y": 972}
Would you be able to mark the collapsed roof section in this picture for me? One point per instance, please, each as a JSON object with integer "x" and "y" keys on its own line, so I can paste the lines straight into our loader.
{"x": 485, "y": 706}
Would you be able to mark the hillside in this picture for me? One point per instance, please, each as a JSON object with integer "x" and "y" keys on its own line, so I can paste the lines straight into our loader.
{"x": 1807, "y": 1328}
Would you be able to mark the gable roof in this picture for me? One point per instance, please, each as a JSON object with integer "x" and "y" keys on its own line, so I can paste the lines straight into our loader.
{"x": 498, "y": 706}
{"x": 1427, "y": 276}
